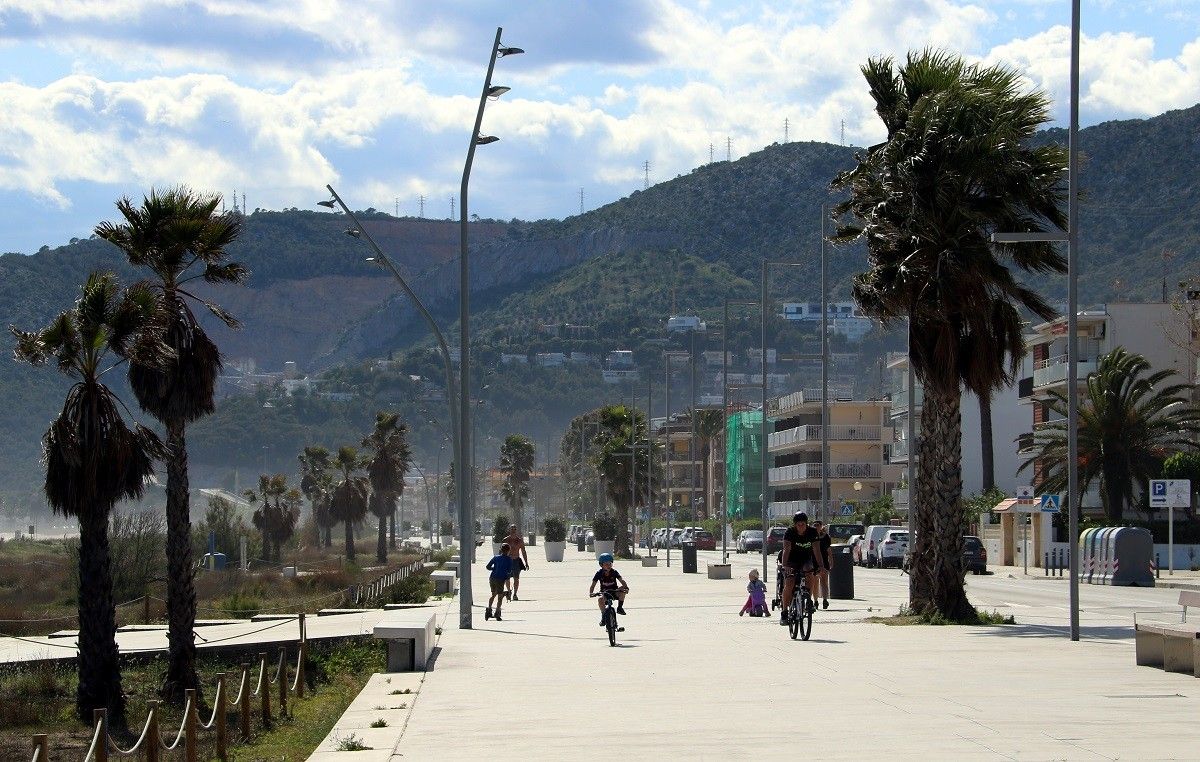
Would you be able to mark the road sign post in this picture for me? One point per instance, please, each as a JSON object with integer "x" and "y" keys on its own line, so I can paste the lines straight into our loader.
{"x": 1170, "y": 494}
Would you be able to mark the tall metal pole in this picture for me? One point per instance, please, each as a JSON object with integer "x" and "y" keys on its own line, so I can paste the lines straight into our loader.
{"x": 463, "y": 472}
{"x": 724, "y": 429}
{"x": 667, "y": 430}
{"x": 910, "y": 426}
{"x": 762, "y": 445}
{"x": 649, "y": 460}
{"x": 692, "y": 420}
{"x": 824, "y": 368}
{"x": 1073, "y": 186}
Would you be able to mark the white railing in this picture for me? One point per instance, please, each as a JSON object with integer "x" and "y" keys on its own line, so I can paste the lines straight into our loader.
{"x": 1054, "y": 370}
{"x": 787, "y": 508}
{"x": 899, "y": 450}
{"x": 804, "y": 471}
{"x": 811, "y": 433}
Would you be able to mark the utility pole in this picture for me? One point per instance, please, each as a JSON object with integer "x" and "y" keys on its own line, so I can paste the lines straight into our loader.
{"x": 581, "y": 200}
{"x": 452, "y": 207}
{"x": 785, "y": 129}
{"x": 843, "y": 132}
{"x": 646, "y": 168}
{"x": 421, "y": 202}
{"x": 692, "y": 420}
{"x": 728, "y": 149}
{"x": 710, "y": 153}
{"x": 397, "y": 206}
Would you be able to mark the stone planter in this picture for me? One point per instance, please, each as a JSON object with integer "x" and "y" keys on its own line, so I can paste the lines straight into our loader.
{"x": 603, "y": 546}
{"x": 719, "y": 571}
{"x": 555, "y": 550}
{"x": 649, "y": 560}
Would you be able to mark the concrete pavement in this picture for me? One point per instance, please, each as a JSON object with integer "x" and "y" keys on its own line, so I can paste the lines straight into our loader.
{"x": 693, "y": 680}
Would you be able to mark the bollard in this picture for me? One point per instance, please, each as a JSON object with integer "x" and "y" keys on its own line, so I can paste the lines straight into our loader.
{"x": 265, "y": 688}
{"x": 303, "y": 635}
{"x": 244, "y": 706}
{"x": 300, "y": 669}
{"x": 222, "y": 731}
{"x": 189, "y": 725}
{"x": 100, "y": 721}
{"x": 1046, "y": 564}
{"x": 1157, "y": 567}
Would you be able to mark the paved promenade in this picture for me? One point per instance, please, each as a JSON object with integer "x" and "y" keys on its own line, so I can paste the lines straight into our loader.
{"x": 692, "y": 680}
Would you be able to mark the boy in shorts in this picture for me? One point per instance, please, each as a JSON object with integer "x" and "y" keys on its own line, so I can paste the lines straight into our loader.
{"x": 500, "y": 567}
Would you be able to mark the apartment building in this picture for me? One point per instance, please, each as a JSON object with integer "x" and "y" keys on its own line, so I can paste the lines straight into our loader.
{"x": 687, "y": 461}
{"x": 859, "y": 436}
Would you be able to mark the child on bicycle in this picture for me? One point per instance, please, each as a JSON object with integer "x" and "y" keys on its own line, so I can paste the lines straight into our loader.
{"x": 501, "y": 567}
{"x": 611, "y": 582}
{"x": 756, "y": 603}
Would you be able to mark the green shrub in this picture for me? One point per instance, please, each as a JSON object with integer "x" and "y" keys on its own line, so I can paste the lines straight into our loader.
{"x": 500, "y": 528}
{"x": 239, "y": 605}
{"x": 440, "y": 557}
{"x": 555, "y": 529}
{"x": 415, "y": 588}
{"x": 604, "y": 525}
{"x": 447, "y": 527}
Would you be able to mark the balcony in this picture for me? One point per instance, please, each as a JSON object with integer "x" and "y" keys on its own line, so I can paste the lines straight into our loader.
{"x": 900, "y": 400}
{"x": 1053, "y": 370}
{"x": 805, "y": 471}
{"x": 788, "y": 508}
{"x": 900, "y": 498}
{"x": 808, "y": 433}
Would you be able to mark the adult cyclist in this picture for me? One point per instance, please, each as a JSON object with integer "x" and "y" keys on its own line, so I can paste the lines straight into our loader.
{"x": 799, "y": 543}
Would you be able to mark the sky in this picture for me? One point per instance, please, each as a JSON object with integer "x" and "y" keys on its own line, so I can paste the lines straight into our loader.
{"x": 275, "y": 98}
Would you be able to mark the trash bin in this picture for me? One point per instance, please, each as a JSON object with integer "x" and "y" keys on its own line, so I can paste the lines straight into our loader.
{"x": 841, "y": 576}
{"x": 579, "y": 543}
{"x": 689, "y": 557}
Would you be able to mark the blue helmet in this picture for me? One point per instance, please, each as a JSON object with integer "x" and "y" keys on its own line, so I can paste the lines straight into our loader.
{"x": 605, "y": 558}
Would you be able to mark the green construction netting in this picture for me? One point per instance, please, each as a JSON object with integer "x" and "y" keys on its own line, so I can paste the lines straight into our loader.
{"x": 743, "y": 464}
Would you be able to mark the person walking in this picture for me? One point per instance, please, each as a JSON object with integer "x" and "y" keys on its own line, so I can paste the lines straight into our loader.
{"x": 500, "y": 566}
{"x": 520, "y": 559}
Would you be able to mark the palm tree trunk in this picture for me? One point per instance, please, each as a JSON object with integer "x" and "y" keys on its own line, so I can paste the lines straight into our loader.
{"x": 317, "y": 526}
{"x": 622, "y": 544}
{"x": 392, "y": 527}
{"x": 381, "y": 541}
{"x": 278, "y": 553}
{"x": 99, "y": 672}
{"x": 349, "y": 540}
{"x": 1114, "y": 502}
{"x": 266, "y": 542}
{"x": 329, "y": 537}
{"x": 181, "y": 592}
{"x": 936, "y": 580}
{"x": 985, "y": 442}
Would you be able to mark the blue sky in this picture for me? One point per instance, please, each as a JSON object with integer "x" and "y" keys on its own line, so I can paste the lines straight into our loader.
{"x": 275, "y": 98}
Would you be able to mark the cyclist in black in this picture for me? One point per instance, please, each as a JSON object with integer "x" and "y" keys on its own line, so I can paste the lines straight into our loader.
{"x": 610, "y": 581}
{"x": 800, "y": 545}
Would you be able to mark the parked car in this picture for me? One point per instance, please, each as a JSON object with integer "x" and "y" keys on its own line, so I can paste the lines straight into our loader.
{"x": 872, "y": 539}
{"x": 855, "y": 545}
{"x": 674, "y": 538}
{"x": 573, "y": 533}
{"x": 974, "y": 555}
{"x": 660, "y": 537}
{"x": 843, "y": 532}
{"x": 775, "y": 539}
{"x": 749, "y": 539}
{"x": 704, "y": 539}
{"x": 892, "y": 548}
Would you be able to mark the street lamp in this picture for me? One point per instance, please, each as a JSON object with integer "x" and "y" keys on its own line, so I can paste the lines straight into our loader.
{"x": 1071, "y": 237}
{"x": 668, "y": 356}
{"x": 465, "y": 463}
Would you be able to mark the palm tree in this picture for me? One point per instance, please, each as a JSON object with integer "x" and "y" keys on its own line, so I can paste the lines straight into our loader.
{"x": 350, "y": 496}
{"x": 710, "y": 425}
{"x": 269, "y": 517}
{"x": 316, "y": 482}
{"x": 957, "y": 164}
{"x": 93, "y": 459}
{"x": 178, "y": 236}
{"x": 389, "y": 463}
{"x": 516, "y": 463}
{"x": 622, "y": 441}
{"x": 1128, "y": 425}
{"x": 287, "y": 516}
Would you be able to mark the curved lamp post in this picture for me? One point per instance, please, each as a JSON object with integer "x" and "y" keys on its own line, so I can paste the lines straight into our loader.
{"x": 463, "y": 472}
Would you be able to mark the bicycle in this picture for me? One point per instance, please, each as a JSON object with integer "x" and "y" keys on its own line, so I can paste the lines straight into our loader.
{"x": 800, "y": 613}
{"x": 609, "y": 616}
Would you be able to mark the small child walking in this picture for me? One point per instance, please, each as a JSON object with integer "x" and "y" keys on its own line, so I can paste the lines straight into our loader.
{"x": 501, "y": 568}
{"x": 756, "y": 602}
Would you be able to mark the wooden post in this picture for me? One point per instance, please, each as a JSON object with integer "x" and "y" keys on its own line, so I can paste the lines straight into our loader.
{"x": 300, "y": 666}
{"x": 265, "y": 690}
{"x": 153, "y": 742}
{"x": 222, "y": 731}
{"x": 189, "y": 725}
{"x": 40, "y": 754}
{"x": 100, "y": 723}
{"x": 283, "y": 682}
{"x": 146, "y": 609}
{"x": 244, "y": 706}
{"x": 303, "y": 634}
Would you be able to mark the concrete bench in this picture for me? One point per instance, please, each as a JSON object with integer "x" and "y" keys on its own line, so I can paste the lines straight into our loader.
{"x": 720, "y": 571}
{"x": 451, "y": 566}
{"x": 443, "y": 582}
{"x": 409, "y": 634}
{"x": 1173, "y": 646}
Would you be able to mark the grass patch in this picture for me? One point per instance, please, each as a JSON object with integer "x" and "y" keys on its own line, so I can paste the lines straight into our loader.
{"x": 352, "y": 743}
{"x": 380, "y": 723}
{"x": 907, "y": 617}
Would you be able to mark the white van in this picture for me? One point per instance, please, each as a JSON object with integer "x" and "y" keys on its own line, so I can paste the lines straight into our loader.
{"x": 872, "y": 542}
